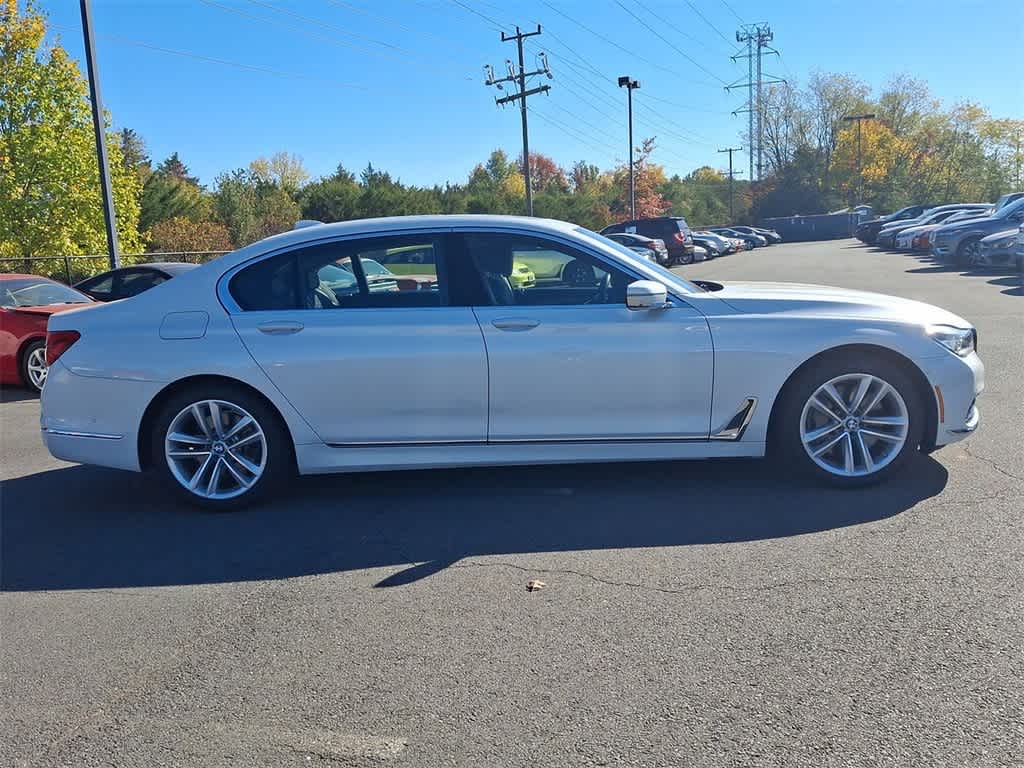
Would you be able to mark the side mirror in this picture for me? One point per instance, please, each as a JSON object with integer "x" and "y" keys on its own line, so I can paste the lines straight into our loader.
{"x": 646, "y": 294}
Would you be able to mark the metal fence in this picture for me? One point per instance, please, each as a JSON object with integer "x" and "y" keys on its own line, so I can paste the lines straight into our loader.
{"x": 71, "y": 269}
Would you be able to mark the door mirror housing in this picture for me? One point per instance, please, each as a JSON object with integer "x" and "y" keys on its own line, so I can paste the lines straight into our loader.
{"x": 646, "y": 294}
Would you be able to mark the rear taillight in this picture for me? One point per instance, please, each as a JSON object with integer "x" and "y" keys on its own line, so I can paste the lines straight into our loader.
{"x": 679, "y": 237}
{"x": 58, "y": 342}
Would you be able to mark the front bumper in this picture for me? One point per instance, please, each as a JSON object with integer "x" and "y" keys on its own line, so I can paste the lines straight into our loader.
{"x": 956, "y": 382}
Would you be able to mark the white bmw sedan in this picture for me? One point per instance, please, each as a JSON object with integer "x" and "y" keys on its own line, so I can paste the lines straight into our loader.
{"x": 415, "y": 342}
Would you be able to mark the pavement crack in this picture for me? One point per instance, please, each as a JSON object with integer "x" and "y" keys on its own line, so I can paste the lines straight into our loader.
{"x": 985, "y": 460}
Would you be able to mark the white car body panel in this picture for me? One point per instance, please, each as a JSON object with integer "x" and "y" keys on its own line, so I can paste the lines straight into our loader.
{"x": 445, "y": 387}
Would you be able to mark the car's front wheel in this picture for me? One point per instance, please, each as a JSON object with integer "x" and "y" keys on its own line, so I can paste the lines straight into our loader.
{"x": 849, "y": 422}
{"x": 33, "y": 365}
{"x": 219, "y": 447}
{"x": 969, "y": 252}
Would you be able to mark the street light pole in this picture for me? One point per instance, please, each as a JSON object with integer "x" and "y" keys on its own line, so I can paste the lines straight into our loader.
{"x": 98, "y": 124}
{"x": 629, "y": 85}
{"x": 860, "y": 178}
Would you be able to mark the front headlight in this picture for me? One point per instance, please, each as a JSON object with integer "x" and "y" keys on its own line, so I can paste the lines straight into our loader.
{"x": 1006, "y": 242}
{"x": 959, "y": 341}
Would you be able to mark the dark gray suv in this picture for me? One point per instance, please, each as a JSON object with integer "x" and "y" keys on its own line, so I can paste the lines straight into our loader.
{"x": 961, "y": 242}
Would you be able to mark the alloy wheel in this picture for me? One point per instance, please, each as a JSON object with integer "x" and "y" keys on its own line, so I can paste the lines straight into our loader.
{"x": 854, "y": 425}
{"x": 35, "y": 366}
{"x": 215, "y": 449}
{"x": 972, "y": 253}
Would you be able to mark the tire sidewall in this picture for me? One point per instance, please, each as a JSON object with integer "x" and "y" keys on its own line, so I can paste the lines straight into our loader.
{"x": 280, "y": 464}
{"x": 786, "y": 443}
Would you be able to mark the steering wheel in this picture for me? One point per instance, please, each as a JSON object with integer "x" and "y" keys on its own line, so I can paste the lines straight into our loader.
{"x": 601, "y": 295}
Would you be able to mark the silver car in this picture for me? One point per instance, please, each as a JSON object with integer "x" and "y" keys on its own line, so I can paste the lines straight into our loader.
{"x": 961, "y": 242}
{"x": 227, "y": 380}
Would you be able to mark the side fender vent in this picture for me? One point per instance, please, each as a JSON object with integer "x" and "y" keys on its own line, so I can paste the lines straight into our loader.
{"x": 737, "y": 425}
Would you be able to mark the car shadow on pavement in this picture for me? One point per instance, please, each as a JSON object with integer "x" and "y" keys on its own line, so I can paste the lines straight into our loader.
{"x": 89, "y": 528}
{"x": 16, "y": 395}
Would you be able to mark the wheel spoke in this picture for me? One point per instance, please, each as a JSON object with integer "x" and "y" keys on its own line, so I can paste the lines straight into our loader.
{"x": 848, "y": 453}
{"x": 181, "y": 437}
{"x": 869, "y": 463}
{"x": 834, "y": 394}
{"x": 187, "y": 454}
{"x": 888, "y": 421}
{"x": 211, "y": 487}
{"x": 241, "y": 424}
{"x": 829, "y": 444}
{"x": 882, "y": 436}
{"x": 198, "y": 476}
{"x": 824, "y": 408}
{"x": 862, "y": 390}
{"x": 246, "y": 440}
{"x": 197, "y": 414}
{"x": 883, "y": 390}
{"x": 817, "y": 434}
{"x": 242, "y": 482}
{"x": 248, "y": 465}
{"x": 215, "y": 421}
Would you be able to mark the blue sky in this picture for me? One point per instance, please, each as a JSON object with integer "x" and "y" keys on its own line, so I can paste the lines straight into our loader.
{"x": 399, "y": 83}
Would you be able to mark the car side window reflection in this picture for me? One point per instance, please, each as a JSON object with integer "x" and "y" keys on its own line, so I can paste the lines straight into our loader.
{"x": 524, "y": 270}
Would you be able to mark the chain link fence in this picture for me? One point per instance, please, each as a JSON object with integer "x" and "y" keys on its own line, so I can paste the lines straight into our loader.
{"x": 72, "y": 269}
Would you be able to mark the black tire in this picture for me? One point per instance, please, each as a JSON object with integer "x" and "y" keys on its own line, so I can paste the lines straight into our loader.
{"x": 786, "y": 445}
{"x": 961, "y": 257}
{"x": 686, "y": 257}
{"x": 33, "y": 347}
{"x": 280, "y": 460}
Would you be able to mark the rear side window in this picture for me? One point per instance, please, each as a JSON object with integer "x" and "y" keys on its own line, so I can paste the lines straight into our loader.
{"x": 101, "y": 287}
{"x": 267, "y": 285}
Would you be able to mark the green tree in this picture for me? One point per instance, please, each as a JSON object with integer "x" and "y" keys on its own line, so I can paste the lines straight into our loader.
{"x": 50, "y": 201}
{"x": 170, "y": 193}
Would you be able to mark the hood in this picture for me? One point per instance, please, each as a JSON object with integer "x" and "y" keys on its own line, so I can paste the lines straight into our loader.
{"x": 824, "y": 301}
{"x": 49, "y": 309}
{"x": 1004, "y": 234}
{"x": 965, "y": 224}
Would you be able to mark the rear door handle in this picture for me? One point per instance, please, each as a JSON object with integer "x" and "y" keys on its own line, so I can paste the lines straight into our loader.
{"x": 514, "y": 323}
{"x": 281, "y": 328}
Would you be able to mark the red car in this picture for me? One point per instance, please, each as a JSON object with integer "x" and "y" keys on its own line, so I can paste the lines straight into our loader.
{"x": 26, "y": 303}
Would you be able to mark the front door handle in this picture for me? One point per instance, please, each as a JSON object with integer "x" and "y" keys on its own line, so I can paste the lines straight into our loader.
{"x": 514, "y": 323}
{"x": 281, "y": 328}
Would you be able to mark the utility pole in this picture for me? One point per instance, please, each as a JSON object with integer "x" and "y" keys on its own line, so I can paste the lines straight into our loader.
{"x": 630, "y": 85}
{"x": 520, "y": 79}
{"x": 99, "y": 127}
{"x": 860, "y": 179}
{"x": 730, "y": 150}
{"x": 756, "y": 36}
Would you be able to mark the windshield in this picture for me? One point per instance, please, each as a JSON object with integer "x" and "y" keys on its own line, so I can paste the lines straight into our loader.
{"x": 38, "y": 292}
{"x": 653, "y": 271}
{"x": 1008, "y": 210}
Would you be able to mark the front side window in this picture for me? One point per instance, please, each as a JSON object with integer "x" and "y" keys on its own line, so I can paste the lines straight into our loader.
{"x": 531, "y": 271}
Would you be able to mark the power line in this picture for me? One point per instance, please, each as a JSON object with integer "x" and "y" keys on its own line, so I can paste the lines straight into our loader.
{"x": 574, "y": 133}
{"x": 614, "y": 44}
{"x": 223, "y": 62}
{"x": 398, "y": 24}
{"x": 708, "y": 21}
{"x": 733, "y": 12}
{"x": 670, "y": 25}
{"x": 672, "y": 45}
{"x": 498, "y": 26}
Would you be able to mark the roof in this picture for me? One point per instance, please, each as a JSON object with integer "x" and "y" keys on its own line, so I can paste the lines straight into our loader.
{"x": 20, "y": 276}
{"x": 384, "y": 225}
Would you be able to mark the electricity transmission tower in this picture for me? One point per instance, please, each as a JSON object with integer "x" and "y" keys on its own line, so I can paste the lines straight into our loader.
{"x": 756, "y": 36}
{"x": 519, "y": 78}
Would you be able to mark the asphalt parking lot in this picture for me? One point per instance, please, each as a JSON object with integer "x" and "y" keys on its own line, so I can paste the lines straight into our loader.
{"x": 699, "y": 614}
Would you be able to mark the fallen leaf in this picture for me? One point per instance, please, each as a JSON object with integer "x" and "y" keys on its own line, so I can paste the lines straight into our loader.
{"x": 535, "y": 585}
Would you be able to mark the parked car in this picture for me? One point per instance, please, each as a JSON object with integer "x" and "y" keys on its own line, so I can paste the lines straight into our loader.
{"x": 700, "y": 253}
{"x": 1005, "y": 200}
{"x": 671, "y": 230}
{"x": 886, "y": 237}
{"x": 652, "y": 248}
{"x": 769, "y": 236}
{"x": 753, "y": 240}
{"x": 1020, "y": 252}
{"x": 125, "y": 282}
{"x": 961, "y": 242}
{"x": 868, "y": 230}
{"x": 718, "y": 244}
{"x": 921, "y": 236}
{"x": 26, "y": 303}
{"x": 999, "y": 249}
{"x": 251, "y": 383}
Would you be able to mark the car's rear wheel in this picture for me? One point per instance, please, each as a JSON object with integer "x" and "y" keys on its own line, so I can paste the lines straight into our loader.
{"x": 686, "y": 257}
{"x": 220, "y": 447}
{"x": 849, "y": 422}
{"x": 33, "y": 365}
